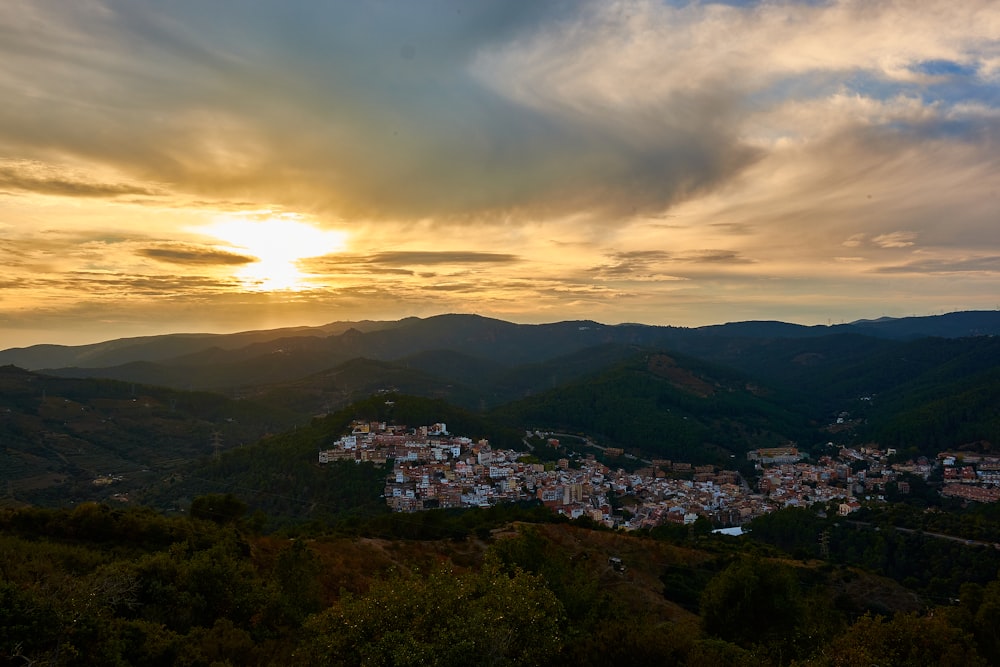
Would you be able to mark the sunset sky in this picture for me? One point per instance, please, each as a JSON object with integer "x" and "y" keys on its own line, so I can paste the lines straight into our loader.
{"x": 209, "y": 166}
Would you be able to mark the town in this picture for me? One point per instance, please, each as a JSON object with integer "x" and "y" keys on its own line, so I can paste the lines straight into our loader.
{"x": 435, "y": 469}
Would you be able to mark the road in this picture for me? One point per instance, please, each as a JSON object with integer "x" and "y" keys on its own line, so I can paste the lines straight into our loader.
{"x": 940, "y": 536}
{"x": 590, "y": 443}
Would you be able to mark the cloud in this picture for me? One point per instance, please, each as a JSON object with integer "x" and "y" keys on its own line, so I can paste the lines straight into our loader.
{"x": 661, "y": 266}
{"x": 147, "y": 285}
{"x": 642, "y": 256}
{"x": 895, "y": 240}
{"x": 733, "y": 228}
{"x": 392, "y": 262}
{"x": 714, "y": 257}
{"x": 985, "y": 265}
{"x": 464, "y": 287}
{"x": 632, "y": 264}
{"x": 424, "y": 258}
{"x": 34, "y": 177}
{"x": 195, "y": 256}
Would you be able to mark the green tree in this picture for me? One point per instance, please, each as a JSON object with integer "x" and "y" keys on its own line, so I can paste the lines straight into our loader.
{"x": 572, "y": 583}
{"x": 442, "y": 619}
{"x": 753, "y": 602}
{"x": 296, "y": 574}
{"x": 217, "y": 507}
{"x": 29, "y": 625}
{"x": 907, "y": 640}
{"x": 987, "y": 620}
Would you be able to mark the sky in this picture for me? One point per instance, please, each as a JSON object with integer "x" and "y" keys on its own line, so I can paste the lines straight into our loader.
{"x": 193, "y": 166}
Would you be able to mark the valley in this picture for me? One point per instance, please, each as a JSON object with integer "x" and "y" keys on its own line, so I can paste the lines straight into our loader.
{"x": 573, "y": 468}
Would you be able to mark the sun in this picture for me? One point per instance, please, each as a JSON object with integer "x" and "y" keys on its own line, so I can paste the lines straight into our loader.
{"x": 278, "y": 243}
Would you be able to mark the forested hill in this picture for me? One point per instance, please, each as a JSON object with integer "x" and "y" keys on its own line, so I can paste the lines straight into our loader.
{"x": 922, "y": 396}
{"x": 662, "y": 406}
{"x": 62, "y": 435}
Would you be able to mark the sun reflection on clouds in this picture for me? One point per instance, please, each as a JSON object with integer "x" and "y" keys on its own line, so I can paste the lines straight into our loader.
{"x": 278, "y": 241}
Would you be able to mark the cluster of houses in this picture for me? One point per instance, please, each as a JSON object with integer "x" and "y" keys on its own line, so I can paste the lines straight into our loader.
{"x": 435, "y": 469}
{"x": 847, "y": 477}
{"x": 971, "y": 476}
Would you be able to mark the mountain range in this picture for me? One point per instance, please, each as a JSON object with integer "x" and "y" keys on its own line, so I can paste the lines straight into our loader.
{"x": 498, "y": 340}
{"x": 157, "y": 405}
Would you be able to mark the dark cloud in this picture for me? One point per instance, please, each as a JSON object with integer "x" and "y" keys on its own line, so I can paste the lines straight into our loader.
{"x": 642, "y": 255}
{"x": 240, "y": 206}
{"x": 195, "y": 256}
{"x": 713, "y": 257}
{"x": 20, "y": 180}
{"x": 405, "y": 258}
{"x": 100, "y": 287}
{"x": 625, "y": 264}
{"x": 388, "y": 262}
{"x": 14, "y": 283}
{"x": 454, "y": 287}
{"x": 648, "y": 264}
{"x": 349, "y": 266}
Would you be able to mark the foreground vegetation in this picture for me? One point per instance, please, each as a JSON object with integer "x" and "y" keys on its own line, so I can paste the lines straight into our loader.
{"x": 511, "y": 585}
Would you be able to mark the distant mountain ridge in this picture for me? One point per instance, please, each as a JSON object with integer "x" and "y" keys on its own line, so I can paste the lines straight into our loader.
{"x": 469, "y": 334}
{"x": 156, "y": 348}
{"x": 960, "y": 324}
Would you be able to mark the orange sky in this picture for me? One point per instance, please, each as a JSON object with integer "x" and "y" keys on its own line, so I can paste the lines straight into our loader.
{"x": 191, "y": 166}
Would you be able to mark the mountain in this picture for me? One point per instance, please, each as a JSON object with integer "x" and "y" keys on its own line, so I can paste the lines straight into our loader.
{"x": 706, "y": 394}
{"x": 157, "y": 348}
{"x": 919, "y": 396}
{"x": 229, "y": 361}
{"x": 950, "y": 325}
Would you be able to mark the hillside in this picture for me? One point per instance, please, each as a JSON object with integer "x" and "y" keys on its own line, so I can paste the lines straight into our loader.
{"x": 709, "y": 396}
{"x": 107, "y": 586}
{"x": 60, "y": 435}
{"x": 280, "y": 476}
{"x": 357, "y": 379}
{"x": 468, "y": 382}
{"x": 919, "y": 396}
{"x": 665, "y": 406}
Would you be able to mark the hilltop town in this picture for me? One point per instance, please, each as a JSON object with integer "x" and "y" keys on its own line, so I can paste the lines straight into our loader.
{"x": 435, "y": 469}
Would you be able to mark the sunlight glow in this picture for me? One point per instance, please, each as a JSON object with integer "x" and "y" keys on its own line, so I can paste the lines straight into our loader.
{"x": 278, "y": 242}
